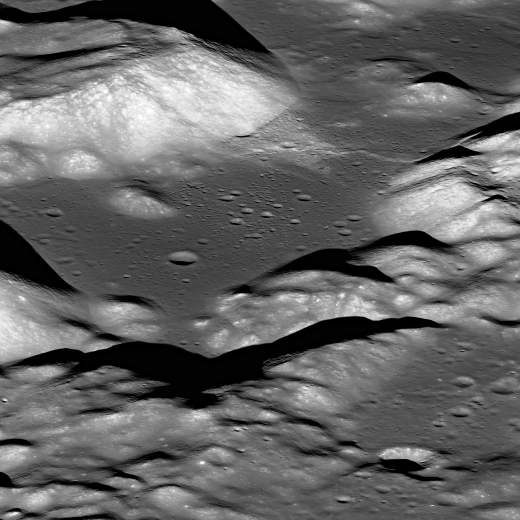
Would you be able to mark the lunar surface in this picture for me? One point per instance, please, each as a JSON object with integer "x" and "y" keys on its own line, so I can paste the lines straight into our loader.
{"x": 259, "y": 260}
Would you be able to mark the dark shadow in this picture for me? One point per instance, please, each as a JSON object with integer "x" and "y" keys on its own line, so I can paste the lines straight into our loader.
{"x": 456, "y": 152}
{"x": 315, "y": 336}
{"x": 59, "y": 357}
{"x": 332, "y": 260}
{"x": 188, "y": 375}
{"x": 19, "y": 259}
{"x": 88, "y": 327}
{"x": 513, "y": 324}
{"x": 148, "y": 189}
{"x": 202, "y": 18}
{"x": 161, "y": 456}
{"x": 446, "y": 79}
{"x": 508, "y": 123}
{"x": 406, "y": 238}
{"x": 348, "y": 262}
{"x": 140, "y": 301}
{"x": 5, "y": 481}
{"x": 402, "y": 465}
{"x": 16, "y": 442}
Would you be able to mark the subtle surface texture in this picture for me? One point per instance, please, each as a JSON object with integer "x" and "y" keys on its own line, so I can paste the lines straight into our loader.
{"x": 260, "y": 265}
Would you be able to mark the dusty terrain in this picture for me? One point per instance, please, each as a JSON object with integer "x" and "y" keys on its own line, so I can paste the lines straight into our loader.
{"x": 260, "y": 260}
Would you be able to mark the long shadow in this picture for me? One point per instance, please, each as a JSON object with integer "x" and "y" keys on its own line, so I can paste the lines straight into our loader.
{"x": 325, "y": 332}
{"x": 21, "y": 260}
{"x": 445, "y": 78}
{"x": 332, "y": 260}
{"x": 348, "y": 261}
{"x": 188, "y": 375}
{"x": 455, "y": 152}
{"x": 201, "y": 18}
{"x": 509, "y": 123}
{"x": 406, "y": 238}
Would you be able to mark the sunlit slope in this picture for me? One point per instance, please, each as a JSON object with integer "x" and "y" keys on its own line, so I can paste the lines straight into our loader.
{"x": 40, "y": 312}
{"x": 83, "y": 97}
{"x": 449, "y": 253}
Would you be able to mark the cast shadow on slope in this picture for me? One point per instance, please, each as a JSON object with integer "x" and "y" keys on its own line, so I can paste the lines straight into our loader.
{"x": 22, "y": 261}
{"x": 196, "y": 379}
{"x": 503, "y": 125}
{"x": 445, "y": 78}
{"x": 107, "y": 90}
{"x": 202, "y": 18}
{"x": 348, "y": 262}
{"x": 455, "y": 152}
{"x": 40, "y": 311}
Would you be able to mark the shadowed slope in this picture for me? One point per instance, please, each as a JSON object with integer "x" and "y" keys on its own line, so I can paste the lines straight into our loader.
{"x": 346, "y": 262}
{"x": 505, "y": 124}
{"x": 109, "y": 90}
{"x": 19, "y": 259}
{"x": 189, "y": 373}
{"x": 202, "y": 18}
{"x": 445, "y": 78}
{"x": 456, "y": 152}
